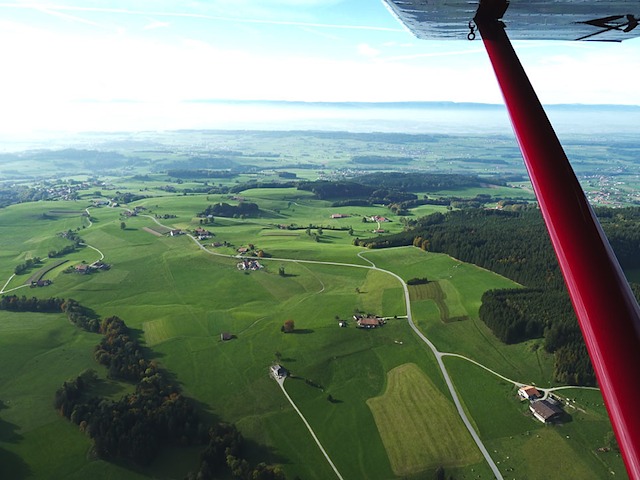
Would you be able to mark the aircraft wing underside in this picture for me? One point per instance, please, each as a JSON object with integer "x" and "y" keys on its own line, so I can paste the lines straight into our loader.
{"x": 601, "y": 20}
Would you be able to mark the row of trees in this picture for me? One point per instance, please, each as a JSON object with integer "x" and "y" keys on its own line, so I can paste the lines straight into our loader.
{"x": 14, "y": 303}
{"x": 28, "y": 263}
{"x": 156, "y": 414}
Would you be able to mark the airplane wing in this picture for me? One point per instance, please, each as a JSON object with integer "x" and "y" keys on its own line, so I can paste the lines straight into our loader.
{"x": 607, "y": 311}
{"x": 601, "y": 20}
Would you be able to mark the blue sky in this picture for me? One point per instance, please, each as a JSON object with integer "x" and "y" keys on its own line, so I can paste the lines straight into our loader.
{"x": 136, "y": 65}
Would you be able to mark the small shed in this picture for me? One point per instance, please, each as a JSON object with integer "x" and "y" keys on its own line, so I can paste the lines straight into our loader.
{"x": 224, "y": 336}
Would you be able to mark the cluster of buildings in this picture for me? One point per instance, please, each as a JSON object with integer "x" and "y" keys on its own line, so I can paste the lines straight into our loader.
{"x": 85, "y": 268}
{"x": 248, "y": 264}
{"x": 202, "y": 234}
{"x": 130, "y": 213}
{"x": 545, "y": 410}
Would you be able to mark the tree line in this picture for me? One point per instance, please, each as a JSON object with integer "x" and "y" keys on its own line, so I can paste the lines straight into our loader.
{"x": 26, "y": 265}
{"x": 154, "y": 415}
{"x": 518, "y": 315}
{"x": 223, "y": 209}
{"x": 515, "y": 244}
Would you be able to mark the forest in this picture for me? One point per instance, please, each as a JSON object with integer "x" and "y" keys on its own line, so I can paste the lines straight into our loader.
{"x": 135, "y": 427}
{"x": 514, "y": 243}
{"x": 420, "y": 181}
{"x": 223, "y": 209}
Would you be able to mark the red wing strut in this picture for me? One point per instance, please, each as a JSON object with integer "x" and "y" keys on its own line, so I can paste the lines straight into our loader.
{"x": 607, "y": 311}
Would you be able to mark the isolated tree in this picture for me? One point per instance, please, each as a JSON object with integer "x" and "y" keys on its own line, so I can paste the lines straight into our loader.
{"x": 288, "y": 326}
{"x": 319, "y": 230}
{"x": 278, "y": 356}
{"x": 281, "y": 271}
{"x": 123, "y": 225}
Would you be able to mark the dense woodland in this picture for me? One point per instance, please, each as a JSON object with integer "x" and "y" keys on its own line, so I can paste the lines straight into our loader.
{"x": 420, "y": 181}
{"x": 515, "y": 244}
{"x": 222, "y": 209}
{"x": 135, "y": 427}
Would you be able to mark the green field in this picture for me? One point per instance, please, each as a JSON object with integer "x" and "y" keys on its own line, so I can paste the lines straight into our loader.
{"x": 392, "y": 414}
{"x": 522, "y": 444}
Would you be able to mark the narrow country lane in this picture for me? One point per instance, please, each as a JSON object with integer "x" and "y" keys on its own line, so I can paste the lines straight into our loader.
{"x": 280, "y": 381}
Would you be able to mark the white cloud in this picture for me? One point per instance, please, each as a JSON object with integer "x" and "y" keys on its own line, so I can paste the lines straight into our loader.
{"x": 154, "y": 24}
{"x": 367, "y": 50}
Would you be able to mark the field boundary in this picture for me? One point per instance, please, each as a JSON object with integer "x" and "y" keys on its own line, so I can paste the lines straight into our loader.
{"x": 37, "y": 276}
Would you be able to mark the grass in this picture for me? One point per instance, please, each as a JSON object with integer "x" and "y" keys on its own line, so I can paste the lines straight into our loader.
{"x": 419, "y": 426}
{"x": 524, "y": 446}
{"x": 38, "y": 353}
{"x": 178, "y": 299}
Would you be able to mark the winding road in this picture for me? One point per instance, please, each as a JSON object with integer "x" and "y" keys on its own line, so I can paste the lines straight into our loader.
{"x": 438, "y": 355}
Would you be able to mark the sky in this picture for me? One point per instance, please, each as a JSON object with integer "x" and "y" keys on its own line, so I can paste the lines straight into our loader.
{"x": 154, "y": 64}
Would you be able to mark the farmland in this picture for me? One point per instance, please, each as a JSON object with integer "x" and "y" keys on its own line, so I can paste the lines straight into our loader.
{"x": 178, "y": 294}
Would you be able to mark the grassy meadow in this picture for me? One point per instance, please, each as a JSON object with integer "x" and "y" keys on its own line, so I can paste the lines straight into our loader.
{"x": 390, "y": 414}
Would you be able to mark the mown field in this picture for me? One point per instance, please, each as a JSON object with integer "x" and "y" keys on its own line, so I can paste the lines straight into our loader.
{"x": 179, "y": 298}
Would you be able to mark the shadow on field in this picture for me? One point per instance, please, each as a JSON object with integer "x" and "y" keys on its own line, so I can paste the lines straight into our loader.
{"x": 8, "y": 430}
{"x": 106, "y": 388}
{"x": 12, "y": 466}
{"x": 262, "y": 453}
{"x": 303, "y": 331}
{"x": 137, "y": 334}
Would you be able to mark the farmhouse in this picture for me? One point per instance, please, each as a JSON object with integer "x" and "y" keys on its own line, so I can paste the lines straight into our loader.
{"x": 368, "y": 322}
{"x": 545, "y": 411}
{"x": 82, "y": 268}
{"x": 202, "y": 234}
{"x": 175, "y": 232}
{"x": 278, "y": 371}
{"x": 529, "y": 393}
{"x": 339, "y": 215}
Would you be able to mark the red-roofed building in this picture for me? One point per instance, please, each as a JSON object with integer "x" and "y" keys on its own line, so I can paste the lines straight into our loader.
{"x": 529, "y": 393}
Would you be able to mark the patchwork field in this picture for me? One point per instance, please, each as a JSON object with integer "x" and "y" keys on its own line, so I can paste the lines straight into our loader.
{"x": 390, "y": 413}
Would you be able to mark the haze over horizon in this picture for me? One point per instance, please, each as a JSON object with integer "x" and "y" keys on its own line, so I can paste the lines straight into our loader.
{"x": 111, "y": 67}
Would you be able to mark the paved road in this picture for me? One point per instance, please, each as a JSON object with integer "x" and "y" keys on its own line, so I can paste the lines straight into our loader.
{"x": 438, "y": 355}
{"x": 445, "y": 374}
{"x": 280, "y": 381}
